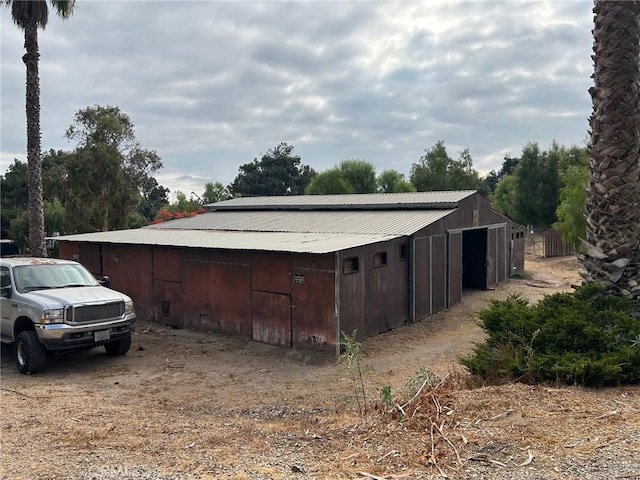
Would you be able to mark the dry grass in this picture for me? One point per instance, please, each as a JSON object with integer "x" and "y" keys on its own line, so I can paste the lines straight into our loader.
{"x": 187, "y": 405}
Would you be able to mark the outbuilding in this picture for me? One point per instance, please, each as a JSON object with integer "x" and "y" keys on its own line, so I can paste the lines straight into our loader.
{"x": 299, "y": 270}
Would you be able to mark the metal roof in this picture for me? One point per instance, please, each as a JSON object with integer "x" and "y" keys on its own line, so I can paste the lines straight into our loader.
{"x": 303, "y": 224}
{"x": 265, "y": 241}
{"x": 369, "y": 201}
{"x": 383, "y": 222}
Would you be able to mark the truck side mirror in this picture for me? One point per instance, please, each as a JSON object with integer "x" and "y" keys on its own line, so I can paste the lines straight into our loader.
{"x": 105, "y": 282}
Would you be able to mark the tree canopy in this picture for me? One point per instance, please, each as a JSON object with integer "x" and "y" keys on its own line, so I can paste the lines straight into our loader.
{"x": 437, "y": 171}
{"x": 107, "y": 171}
{"x": 278, "y": 172}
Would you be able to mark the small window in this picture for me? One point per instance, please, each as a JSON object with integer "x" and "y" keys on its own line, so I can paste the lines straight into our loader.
{"x": 351, "y": 265}
{"x": 380, "y": 259}
{"x": 403, "y": 252}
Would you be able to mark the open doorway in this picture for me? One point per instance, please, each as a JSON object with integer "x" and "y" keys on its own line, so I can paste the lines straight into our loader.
{"x": 474, "y": 258}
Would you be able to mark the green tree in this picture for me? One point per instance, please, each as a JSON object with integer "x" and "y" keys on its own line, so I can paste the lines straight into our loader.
{"x": 329, "y": 182}
{"x": 493, "y": 178}
{"x": 154, "y": 198}
{"x": 537, "y": 186}
{"x": 360, "y": 175}
{"x": 570, "y": 213}
{"x": 392, "y": 181}
{"x": 215, "y": 192}
{"x": 29, "y": 16}
{"x": 14, "y": 189}
{"x": 108, "y": 170}
{"x": 278, "y": 172}
{"x": 612, "y": 247}
{"x": 14, "y": 195}
{"x": 504, "y": 197}
{"x": 436, "y": 171}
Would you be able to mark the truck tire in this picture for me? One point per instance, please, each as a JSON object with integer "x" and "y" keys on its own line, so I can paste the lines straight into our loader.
{"x": 119, "y": 347}
{"x": 29, "y": 353}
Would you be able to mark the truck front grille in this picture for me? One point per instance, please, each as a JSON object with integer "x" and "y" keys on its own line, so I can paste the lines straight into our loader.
{"x": 92, "y": 313}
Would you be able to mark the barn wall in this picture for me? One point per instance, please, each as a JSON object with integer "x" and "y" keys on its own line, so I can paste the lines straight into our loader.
{"x": 129, "y": 268}
{"x": 275, "y": 298}
{"x": 216, "y": 288}
{"x": 313, "y": 300}
{"x": 374, "y": 298}
{"x": 440, "y": 251}
{"x": 517, "y": 248}
{"x": 421, "y": 288}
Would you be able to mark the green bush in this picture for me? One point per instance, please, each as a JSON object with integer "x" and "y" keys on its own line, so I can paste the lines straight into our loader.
{"x": 583, "y": 337}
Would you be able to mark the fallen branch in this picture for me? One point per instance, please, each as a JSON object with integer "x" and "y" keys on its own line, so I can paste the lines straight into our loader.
{"x": 370, "y": 475}
{"x": 608, "y": 414}
{"x": 460, "y": 463}
{"x": 527, "y": 461}
{"x": 424, "y": 384}
{"x": 482, "y": 457}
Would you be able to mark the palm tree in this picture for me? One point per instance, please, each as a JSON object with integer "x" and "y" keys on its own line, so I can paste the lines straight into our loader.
{"x": 612, "y": 246}
{"x": 29, "y": 16}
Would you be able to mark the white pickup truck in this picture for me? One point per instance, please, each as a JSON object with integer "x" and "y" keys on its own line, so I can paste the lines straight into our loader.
{"x": 52, "y": 305}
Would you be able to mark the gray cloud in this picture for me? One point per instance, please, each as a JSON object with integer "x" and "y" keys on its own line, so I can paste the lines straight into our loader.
{"x": 213, "y": 85}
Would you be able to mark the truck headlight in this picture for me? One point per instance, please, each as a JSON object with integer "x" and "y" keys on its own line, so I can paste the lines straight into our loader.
{"x": 128, "y": 307}
{"x": 52, "y": 316}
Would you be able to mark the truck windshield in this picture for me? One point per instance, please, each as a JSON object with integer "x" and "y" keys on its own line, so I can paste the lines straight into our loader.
{"x": 29, "y": 278}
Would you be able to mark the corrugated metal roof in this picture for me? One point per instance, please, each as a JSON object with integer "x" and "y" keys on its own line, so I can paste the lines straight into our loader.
{"x": 290, "y": 242}
{"x": 326, "y": 222}
{"x": 372, "y": 201}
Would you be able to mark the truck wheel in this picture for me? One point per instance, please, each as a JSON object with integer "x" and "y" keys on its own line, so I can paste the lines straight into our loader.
{"x": 119, "y": 347}
{"x": 30, "y": 354}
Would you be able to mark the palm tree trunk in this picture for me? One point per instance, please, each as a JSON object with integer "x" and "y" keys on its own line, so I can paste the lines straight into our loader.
{"x": 612, "y": 247}
{"x": 34, "y": 158}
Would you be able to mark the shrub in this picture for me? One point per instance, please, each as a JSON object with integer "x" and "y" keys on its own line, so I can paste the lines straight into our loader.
{"x": 583, "y": 337}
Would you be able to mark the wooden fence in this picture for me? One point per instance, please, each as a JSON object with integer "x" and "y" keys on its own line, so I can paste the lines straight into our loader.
{"x": 554, "y": 246}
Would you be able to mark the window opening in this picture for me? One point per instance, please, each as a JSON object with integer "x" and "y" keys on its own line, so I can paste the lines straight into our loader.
{"x": 380, "y": 259}
{"x": 351, "y": 265}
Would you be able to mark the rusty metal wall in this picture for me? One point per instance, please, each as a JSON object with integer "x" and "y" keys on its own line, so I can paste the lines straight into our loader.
{"x": 216, "y": 289}
{"x": 167, "y": 264}
{"x": 167, "y": 286}
{"x": 313, "y": 291}
{"x": 271, "y": 318}
{"x": 90, "y": 255}
{"x": 455, "y": 268}
{"x": 271, "y": 272}
{"x": 271, "y": 298}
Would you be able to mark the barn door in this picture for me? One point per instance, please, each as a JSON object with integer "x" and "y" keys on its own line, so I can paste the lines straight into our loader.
{"x": 492, "y": 258}
{"x": 271, "y": 298}
{"x": 455, "y": 268}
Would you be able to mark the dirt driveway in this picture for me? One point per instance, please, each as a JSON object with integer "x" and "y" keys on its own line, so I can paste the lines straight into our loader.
{"x": 186, "y": 405}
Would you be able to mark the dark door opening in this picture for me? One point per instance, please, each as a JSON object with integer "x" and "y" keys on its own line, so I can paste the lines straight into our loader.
{"x": 474, "y": 258}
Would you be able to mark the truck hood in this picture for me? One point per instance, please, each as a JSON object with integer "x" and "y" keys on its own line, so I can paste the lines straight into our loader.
{"x": 60, "y": 297}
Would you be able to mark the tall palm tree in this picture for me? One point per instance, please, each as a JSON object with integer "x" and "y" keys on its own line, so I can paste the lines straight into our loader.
{"x": 612, "y": 212}
{"x": 29, "y": 16}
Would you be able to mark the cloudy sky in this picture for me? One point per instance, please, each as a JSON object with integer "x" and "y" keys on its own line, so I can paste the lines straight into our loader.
{"x": 211, "y": 85}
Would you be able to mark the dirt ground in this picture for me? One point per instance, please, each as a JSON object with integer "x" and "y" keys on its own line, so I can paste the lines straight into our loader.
{"x": 188, "y": 405}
